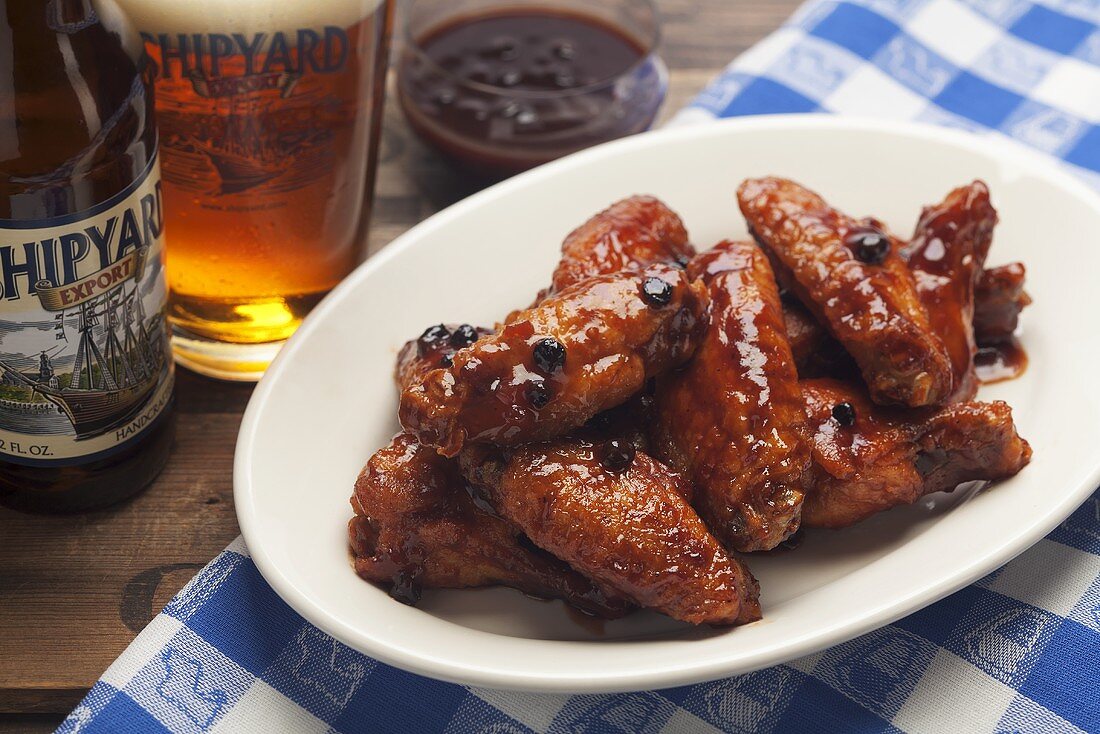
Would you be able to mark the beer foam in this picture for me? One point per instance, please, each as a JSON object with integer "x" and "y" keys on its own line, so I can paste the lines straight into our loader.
{"x": 244, "y": 16}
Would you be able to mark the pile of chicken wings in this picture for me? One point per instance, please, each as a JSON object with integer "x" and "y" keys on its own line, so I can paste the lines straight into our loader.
{"x": 657, "y": 412}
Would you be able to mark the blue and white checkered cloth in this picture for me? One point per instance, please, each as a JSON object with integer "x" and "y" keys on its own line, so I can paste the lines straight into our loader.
{"x": 1025, "y": 70}
{"x": 1019, "y": 651}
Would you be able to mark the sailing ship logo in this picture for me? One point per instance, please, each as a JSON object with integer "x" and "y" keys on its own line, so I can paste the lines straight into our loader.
{"x": 120, "y": 355}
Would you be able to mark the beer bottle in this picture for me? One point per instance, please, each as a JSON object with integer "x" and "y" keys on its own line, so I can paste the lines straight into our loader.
{"x": 86, "y": 376}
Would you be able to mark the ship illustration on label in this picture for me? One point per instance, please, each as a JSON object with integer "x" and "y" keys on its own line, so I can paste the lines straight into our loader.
{"x": 120, "y": 356}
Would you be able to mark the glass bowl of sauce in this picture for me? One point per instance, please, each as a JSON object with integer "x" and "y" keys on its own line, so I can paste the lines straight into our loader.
{"x": 500, "y": 86}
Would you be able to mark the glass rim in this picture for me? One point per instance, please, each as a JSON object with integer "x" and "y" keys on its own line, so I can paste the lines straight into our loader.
{"x": 649, "y": 53}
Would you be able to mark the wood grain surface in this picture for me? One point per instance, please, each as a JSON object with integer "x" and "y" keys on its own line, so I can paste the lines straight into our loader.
{"x": 75, "y": 590}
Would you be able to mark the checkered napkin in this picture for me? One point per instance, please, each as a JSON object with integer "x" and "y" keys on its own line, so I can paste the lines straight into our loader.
{"x": 1030, "y": 71}
{"x": 1019, "y": 651}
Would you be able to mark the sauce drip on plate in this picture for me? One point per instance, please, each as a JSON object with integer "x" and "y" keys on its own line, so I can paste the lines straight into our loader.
{"x": 999, "y": 362}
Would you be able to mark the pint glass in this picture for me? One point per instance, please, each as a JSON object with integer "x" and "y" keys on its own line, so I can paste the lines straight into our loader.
{"x": 269, "y": 115}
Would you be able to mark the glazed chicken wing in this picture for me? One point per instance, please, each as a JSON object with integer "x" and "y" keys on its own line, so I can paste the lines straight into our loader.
{"x": 868, "y": 458}
{"x": 493, "y": 550}
{"x": 553, "y": 367}
{"x": 999, "y": 299}
{"x": 732, "y": 419}
{"x": 849, "y": 275}
{"x": 620, "y": 518}
{"x": 433, "y": 349}
{"x": 816, "y": 353}
{"x": 628, "y": 235}
{"x": 415, "y": 526}
{"x": 804, "y": 335}
{"x": 946, "y": 256}
{"x": 418, "y": 525}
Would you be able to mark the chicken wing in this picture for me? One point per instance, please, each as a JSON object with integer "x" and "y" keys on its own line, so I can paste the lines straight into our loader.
{"x": 619, "y": 517}
{"x": 946, "y": 256}
{"x": 433, "y": 349}
{"x": 415, "y": 526}
{"x": 999, "y": 299}
{"x": 849, "y": 275}
{"x": 868, "y": 458}
{"x": 732, "y": 419}
{"x": 816, "y": 353}
{"x": 628, "y": 235}
{"x": 553, "y": 367}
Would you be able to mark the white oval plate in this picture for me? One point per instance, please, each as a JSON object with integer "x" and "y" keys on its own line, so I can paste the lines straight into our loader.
{"x": 328, "y": 402}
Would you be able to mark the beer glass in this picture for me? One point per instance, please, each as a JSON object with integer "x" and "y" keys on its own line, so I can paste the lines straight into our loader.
{"x": 269, "y": 115}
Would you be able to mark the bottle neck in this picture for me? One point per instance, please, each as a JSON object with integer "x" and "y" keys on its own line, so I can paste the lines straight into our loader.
{"x": 76, "y": 123}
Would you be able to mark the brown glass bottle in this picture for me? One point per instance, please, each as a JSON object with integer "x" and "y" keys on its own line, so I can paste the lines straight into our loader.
{"x": 86, "y": 407}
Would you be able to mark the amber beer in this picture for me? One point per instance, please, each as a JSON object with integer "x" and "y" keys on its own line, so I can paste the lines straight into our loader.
{"x": 86, "y": 373}
{"x": 269, "y": 113}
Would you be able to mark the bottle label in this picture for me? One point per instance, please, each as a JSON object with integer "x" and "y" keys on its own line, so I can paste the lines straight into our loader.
{"x": 85, "y": 365}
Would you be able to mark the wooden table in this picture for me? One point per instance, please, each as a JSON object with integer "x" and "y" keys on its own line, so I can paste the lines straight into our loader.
{"x": 75, "y": 590}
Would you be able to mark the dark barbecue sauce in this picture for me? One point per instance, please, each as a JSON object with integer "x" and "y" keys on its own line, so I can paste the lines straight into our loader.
{"x": 504, "y": 91}
{"x": 999, "y": 362}
{"x": 539, "y": 50}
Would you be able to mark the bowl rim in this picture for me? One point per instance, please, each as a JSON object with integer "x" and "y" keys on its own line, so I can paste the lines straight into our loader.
{"x": 662, "y": 673}
{"x": 650, "y": 54}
